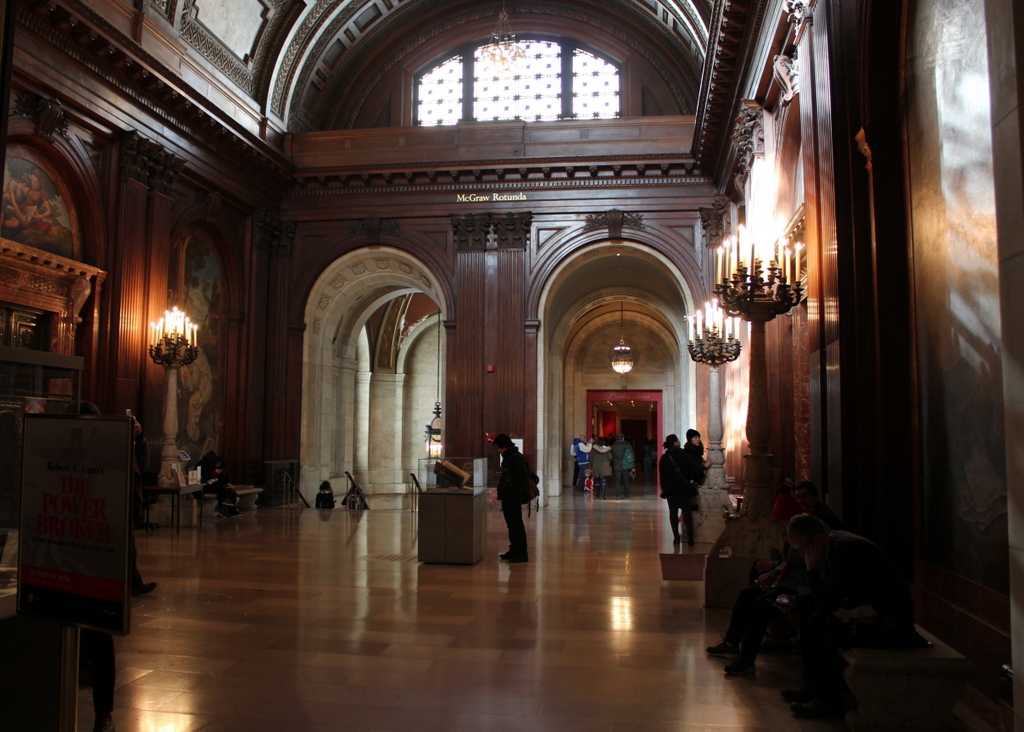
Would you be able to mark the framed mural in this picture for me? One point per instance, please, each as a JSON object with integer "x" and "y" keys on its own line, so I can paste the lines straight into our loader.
{"x": 38, "y": 210}
{"x": 195, "y": 287}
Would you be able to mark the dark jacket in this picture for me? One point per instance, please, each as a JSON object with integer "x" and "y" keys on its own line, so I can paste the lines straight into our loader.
{"x": 827, "y": 515}
{"x": 855, "y": 572}
{"x": 619, "y": 448}
{"x": 515, "y": 476}
{"x": 324, "y": 499}
{"x": 673, "y": 478}
{"x": 693, "y": 463}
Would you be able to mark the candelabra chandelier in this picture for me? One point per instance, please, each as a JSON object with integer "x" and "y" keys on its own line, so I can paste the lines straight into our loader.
{"x": 758, "y": 293}
{"x": 503, "y": 53}
{"x": 713, "y": 348}
{"x": 174, "y": 340}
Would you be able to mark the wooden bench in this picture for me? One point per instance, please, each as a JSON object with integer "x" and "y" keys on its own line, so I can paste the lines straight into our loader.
{"x": 905, "y": 689}
{"x": 247, "y": 495}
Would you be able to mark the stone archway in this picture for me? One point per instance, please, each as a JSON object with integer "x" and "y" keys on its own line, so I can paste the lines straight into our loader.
{"x": 346, "y": 405}
{"x": 655, "y": 297}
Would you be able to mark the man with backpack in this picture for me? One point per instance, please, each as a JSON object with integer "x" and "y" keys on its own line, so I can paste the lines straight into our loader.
{"x": 623, "y": 462}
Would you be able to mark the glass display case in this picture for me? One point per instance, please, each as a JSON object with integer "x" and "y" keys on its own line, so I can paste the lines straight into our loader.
{"x": 30, "y": 382}
{"x": 452, "y": 470}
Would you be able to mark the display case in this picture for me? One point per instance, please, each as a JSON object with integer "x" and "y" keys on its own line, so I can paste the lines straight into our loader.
{"x": 453, "y": 520}
{"x": 475, "y": 467}
{"x": 30, "y": 382}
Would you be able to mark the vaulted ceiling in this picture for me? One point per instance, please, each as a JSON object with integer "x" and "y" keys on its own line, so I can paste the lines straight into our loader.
{"x": 313, "y": 64}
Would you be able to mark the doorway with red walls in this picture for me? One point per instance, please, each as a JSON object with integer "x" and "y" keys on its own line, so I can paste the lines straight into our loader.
{"x": 633, "y": 412}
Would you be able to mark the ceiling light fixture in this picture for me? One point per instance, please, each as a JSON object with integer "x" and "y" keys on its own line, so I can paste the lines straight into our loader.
{"x": 503, "y": 53}
{"x": 622, "y": 355}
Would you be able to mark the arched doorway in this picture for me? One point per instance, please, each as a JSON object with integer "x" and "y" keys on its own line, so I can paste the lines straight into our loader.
{"x": 596, "y": 294}
{"x": 372, "y": 353}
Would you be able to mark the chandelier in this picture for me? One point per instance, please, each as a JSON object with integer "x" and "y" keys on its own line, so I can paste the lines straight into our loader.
{"x": 622, "y": 355}
{"x": 503, "y": 53}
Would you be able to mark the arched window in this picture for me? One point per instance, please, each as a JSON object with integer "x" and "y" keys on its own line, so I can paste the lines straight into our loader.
{"x": 553, "y": 80}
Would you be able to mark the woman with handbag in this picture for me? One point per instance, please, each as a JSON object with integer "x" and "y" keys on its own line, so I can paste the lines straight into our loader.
{"x": 680, "y": 470}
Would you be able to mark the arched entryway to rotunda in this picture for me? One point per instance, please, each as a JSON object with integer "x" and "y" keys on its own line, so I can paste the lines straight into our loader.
{"x": 371, "y": 356}
{"x": 595, "y": 294}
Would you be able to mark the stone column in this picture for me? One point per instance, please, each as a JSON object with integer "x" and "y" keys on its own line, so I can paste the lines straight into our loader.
{"x": 716, "y": 473}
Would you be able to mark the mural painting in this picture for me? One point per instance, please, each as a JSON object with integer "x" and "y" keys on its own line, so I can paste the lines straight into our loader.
{"x": 36, "y": 207}
{"x": 197, "y": 288}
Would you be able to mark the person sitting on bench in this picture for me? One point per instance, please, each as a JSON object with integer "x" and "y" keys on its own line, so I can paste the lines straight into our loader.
{"x": 212, "y": 474}
{"x": 859, "y": 599}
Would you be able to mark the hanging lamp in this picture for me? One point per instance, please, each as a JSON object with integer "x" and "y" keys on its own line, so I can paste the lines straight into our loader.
{"x": 622, "y": 355}
{"x": 503, "y": 53}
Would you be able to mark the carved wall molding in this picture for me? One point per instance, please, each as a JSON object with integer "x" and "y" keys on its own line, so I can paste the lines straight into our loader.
{"x": 94, "y": 43}
{"x": 614, "y": 220}
{"x": 245, "y": 72}
{"x": 715, "y": 222}
{"x": 785, "y": 71}
{"x": 33, "y": 278}
{"x": 149, "y": 163}
{"x": 273, "y": 234}
{"x": 748, "y": 139}
{"x": 373, "y": 226}
{"x": 799, "y": 12}
{"x": 47, "y": 114}
{"x": 492, "y": 231}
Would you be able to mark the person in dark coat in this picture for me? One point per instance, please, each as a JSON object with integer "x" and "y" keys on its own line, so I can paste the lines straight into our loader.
{"x": 858, "y": 599}
{"x": 213, "y": 475}
{"x": 325, "y": 497}
{"x": 512, "y": 488}
{"x": 677, "y": 488}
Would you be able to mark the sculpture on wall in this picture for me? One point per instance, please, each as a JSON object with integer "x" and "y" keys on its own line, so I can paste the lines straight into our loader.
{"x": 748, "y": 139}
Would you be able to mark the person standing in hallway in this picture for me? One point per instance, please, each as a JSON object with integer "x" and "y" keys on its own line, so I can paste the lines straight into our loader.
{"x": 581, "y": 451}
{"x": 622, "y": 462}
{"x": 648, "y": 451}
{"x": 601, "y": 466}
{"x": 677, "y": 489}
{"x": 512, "y": 486}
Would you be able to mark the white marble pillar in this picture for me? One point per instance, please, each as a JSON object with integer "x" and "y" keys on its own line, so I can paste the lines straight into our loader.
{"x": 716, "y": 473}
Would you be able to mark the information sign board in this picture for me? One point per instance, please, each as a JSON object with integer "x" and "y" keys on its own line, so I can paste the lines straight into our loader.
{"x": 76, "y": 520}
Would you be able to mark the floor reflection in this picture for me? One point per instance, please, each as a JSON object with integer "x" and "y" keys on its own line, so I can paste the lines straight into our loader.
{"x": 309, "y": 620}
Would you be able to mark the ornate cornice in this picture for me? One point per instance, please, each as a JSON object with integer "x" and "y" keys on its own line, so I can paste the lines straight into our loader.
{"x": 247, "y": 72}
{"x": 614, "y": 220}
{"x": 714, "y": 222}
{"x": 273, "y": 234}
{"x": 46, "y": 114}
{"x": 91, "y": 41}
{"x": 498, "y": 178}
{"x": 492, "y": 231}
{"x": 734, "y": 25}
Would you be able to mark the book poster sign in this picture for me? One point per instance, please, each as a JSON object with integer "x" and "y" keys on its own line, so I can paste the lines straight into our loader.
{"x": 75, "y": 520}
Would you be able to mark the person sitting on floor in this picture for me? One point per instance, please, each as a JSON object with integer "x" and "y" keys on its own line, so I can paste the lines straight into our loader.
{"x": 859, "y": 600}
{"x": 325, "y": 498}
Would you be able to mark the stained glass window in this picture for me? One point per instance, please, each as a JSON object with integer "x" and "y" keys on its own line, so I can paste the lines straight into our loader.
{"x": 439, "y": 101}
{"x": 532, "y": 90}
{"x": 595, "y": 87}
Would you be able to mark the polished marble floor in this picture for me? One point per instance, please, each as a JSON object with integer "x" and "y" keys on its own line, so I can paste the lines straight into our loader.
{"x": 324, "y": 620}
